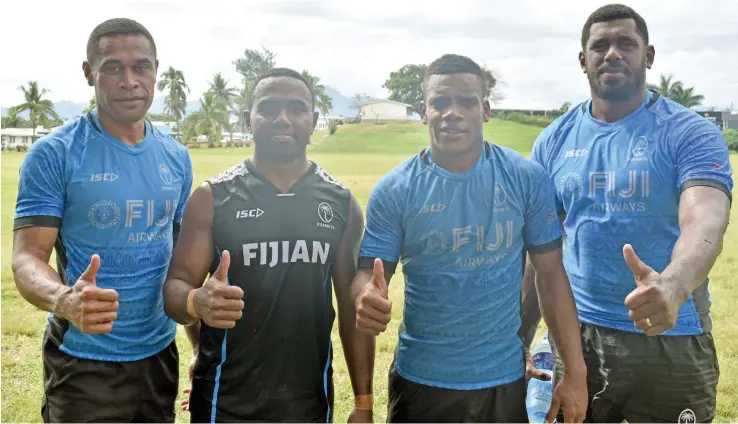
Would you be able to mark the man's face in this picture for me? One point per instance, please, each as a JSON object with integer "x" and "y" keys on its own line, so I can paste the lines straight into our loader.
{"x": 124, "y": 76}
{"x": 282, "y": 118}
{"x": 615, "y": 59}
{"x": 454, "y": 111}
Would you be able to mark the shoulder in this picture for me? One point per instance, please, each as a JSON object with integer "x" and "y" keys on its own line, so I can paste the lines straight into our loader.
{"x": 560, "y": 126}
{"x": 516, "y": 163}
{"x": 399, "y": 179}
{"x": 324, "y": 177}
{"x": 62, "y": 142}
{"x": 237, "y": 170}
{"x": 173, "y": 147}
{"x": 683, "y": 123}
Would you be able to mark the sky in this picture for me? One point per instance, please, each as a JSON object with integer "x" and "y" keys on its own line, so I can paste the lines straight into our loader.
{"x": 353, "y": 46}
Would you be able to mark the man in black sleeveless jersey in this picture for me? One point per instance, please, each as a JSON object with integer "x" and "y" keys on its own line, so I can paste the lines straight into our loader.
{"x": 272, "y": 231}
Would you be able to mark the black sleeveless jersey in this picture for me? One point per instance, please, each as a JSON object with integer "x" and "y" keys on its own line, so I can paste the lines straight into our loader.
{"x": 275, "y": 364}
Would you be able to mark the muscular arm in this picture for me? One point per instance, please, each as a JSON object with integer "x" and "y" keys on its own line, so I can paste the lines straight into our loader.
{"x": 559, "y": 309}
{"x": 191, "y": 259}
{"x": 192, "y": 331}
{"x": 357, "y": 346}
{"x": 35, "y": 279}
{"x": 703, "y": 218}
{"x": 530, "y": 305}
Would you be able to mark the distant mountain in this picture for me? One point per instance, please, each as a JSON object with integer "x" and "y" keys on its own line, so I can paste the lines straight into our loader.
{"x": 70, "y": 110}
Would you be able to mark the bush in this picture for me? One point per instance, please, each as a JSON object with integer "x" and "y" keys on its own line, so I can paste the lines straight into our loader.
{"x": 731, "y": 136}
{"x": 332, "y": 126}
{"x": 521, "y": 118}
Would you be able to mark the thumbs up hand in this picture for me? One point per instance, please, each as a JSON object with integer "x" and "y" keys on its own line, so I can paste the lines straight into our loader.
{"x": 373, "y": 307}
{"x": 86, "y": 306}
{"x": 216, "y": 302}
{"x": 654, "y": 304}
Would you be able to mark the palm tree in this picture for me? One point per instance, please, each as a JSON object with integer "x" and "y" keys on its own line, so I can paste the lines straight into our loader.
{"x": 240, "y": 105}
{"x": 13, "y": 120}
{"x": 212, "y": 116}
{"x": 318, "y": 88}
{"x": 324, "y": 103}
{"x": 224, "y": 95}
{"x": 674, "y": 90}
{"x": 175, "y": 103}
{"x": 686, "y": 97}
{"x": 39, "y": 108}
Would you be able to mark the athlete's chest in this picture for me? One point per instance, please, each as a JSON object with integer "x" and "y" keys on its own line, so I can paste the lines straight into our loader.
{"x": 465, "y": 224}
{"x": 131, "y": 198}
{"x": 627, "y": 172}
{"x": 261, "y": 227}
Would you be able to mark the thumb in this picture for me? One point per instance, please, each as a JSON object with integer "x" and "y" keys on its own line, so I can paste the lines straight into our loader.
{"x": 222, "y": 272}
{"x": 541, "y": 375}
{"x": 378, "y": 277}
{"x": 640, "y": 270}
{"x": 91, "y": 271}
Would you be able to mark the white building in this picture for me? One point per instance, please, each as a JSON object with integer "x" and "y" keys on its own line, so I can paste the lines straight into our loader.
{"x": 322, "y": 123}
{"x": 14, "y": 137}
{"x": 383, "y": 111}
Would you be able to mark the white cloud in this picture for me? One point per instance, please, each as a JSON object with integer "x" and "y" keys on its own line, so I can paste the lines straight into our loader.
{"x": 533, "y": 44}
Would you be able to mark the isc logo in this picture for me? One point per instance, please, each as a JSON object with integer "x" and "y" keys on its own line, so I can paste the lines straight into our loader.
{"x": 108, "y": 176}
{"x": 249, "y": 213}
{"x": 576, "y": 153}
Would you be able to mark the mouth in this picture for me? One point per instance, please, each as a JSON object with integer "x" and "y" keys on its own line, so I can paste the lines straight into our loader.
{"x": 131, "y": 100}
{"x": 283, "y": 137}
{"x": 451, "y": 131}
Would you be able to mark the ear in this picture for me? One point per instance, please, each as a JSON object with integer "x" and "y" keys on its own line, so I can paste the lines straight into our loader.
{"x": 87, "y": 69}
{"x": 650, "y": 56}
{"x": 423, "y": 115}
{"x": 583, "y": 61}
{"x": 316, "y": 114}
{"x": 487, "y": 110}
{"x": 156, "y": 66}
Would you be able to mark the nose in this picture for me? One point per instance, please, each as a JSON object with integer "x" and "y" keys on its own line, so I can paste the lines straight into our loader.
{"x": 282, "y": 119}
{"x": 128, "y": 80}
{"x": 613, "y": 54}
{"x": 452, "y": 113}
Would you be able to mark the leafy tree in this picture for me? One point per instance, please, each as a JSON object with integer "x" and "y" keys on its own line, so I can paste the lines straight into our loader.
{"x": 39, "y": 109}
{"x": 175, "y": 103}
{"x": 675, "y": 90}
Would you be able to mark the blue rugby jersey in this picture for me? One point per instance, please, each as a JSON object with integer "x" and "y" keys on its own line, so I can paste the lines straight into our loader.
{"x": 620, "y": 183}
{"x": 461, "y": 239}
{"x": 122, "y": 202}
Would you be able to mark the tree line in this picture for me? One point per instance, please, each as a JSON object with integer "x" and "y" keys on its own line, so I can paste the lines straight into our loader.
{"x": 222, "y": 106}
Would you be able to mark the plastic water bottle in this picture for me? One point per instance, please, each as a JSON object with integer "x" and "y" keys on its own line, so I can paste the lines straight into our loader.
{"x": 538, "y": 399}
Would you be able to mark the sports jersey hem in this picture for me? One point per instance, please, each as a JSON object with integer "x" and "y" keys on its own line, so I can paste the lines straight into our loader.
{"x": 676, "y": 331}
{"x": 708, "y": 182}
{"x": 461, "y": 386}
{"x": 126, "y": 358}
{"x": 540, "y": 249}
{"x": 26, "y": 221}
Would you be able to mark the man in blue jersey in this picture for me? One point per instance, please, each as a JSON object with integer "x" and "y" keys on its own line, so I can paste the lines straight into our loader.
{"x": 107, "y": 190}
{"x": 644, "y": 190}
{"x": 459, "y": 216}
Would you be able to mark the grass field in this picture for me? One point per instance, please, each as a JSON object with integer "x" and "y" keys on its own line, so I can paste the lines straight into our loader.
{"x": 357, "y": 156}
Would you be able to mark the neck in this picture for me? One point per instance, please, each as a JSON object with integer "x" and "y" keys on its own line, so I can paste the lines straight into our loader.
{"x": 282, "y": 174}
{"x": 457, "y": 163}
{"x": 613, "y": 111}
{"x": 129, "y": 133}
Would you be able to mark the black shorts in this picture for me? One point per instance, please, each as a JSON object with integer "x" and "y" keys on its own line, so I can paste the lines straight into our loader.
{"x": 82, "y": 390}
{"x": 412, "y": 402}
{"x": 634, "y": 377}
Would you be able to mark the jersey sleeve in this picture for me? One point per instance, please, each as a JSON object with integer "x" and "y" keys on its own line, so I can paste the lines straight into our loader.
{"x": 539, "y": 154}
{"x": 41, "y": 187}
{"x": 383, "y": 232}
{"x": 703, "y": 158}
{"x": 542, "y": 229}
{"x": 186, "y": 190}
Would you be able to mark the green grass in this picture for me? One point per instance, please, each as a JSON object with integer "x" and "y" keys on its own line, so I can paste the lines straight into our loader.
{"x": 357, "y": 156}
